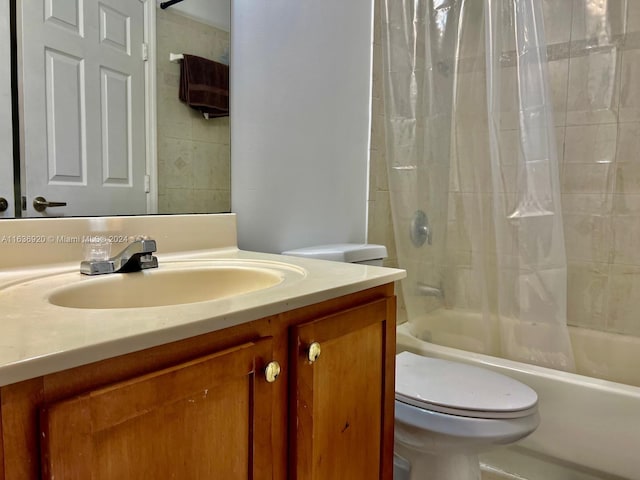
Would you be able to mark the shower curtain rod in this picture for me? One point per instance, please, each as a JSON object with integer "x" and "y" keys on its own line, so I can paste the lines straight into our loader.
{"x": 164, "y": 5}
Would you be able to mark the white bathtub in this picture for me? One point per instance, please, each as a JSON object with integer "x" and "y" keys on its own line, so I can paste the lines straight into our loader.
{"x": 587, "y": 424}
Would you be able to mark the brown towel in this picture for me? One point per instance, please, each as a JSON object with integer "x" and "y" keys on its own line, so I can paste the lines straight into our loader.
{"x": 204, "y": 85}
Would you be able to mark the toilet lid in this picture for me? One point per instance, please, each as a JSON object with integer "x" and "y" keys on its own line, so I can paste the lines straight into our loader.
{"x": 342, "y": 252}
{"x": 459, "y": 389}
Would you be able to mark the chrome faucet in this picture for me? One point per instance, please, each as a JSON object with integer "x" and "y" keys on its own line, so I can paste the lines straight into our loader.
{"x": 135, "y": 257}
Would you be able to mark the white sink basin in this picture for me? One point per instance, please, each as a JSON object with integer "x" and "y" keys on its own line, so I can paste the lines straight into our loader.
{"x": 172, "y": 283}
{"x": 180, "y": 283}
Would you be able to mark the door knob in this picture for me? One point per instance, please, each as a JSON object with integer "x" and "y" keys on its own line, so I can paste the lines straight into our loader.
{"x": 272, "y": 371}
{"x": 3, "y": 204}
{"x": 314, "y": 352}
{"x": 40, "y": 204}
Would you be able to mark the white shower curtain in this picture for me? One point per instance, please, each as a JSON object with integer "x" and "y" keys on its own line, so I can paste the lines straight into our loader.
{"x": 471, "y": 148}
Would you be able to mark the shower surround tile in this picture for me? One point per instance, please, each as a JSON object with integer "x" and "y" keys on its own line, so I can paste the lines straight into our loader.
{"x": 600, "y": 203}
{"x": 557, "y": 16}
{"x": 626, "y": 229}
{"x": 587, "y": 285}
{"x": 629, "y": 91}
{"x": 626, "y": 239}
{"x": 591, "y": 144}
{"x": 628, "y": 178}
{"x": 594, "y": 88}
{"x": 587, "y": 237}
{"x": 594, "y": 52}
{"x": 587, "y": 177}
{"x": 559, "y": 83}
{"x": 598, "y": 22}
{"x": 624, "y": 300}
{"x": 633, "y": 16}
{"x": 628, "y": 148}
{"x": 628, "y": 159}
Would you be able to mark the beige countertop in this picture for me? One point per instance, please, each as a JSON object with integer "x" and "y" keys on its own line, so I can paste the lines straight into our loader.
{"x": 38, "y": 337}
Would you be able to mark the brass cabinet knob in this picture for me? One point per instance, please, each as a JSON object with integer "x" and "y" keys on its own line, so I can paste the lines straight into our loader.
{"x": 271, "y": 371}
{"x": 314, "y": 352}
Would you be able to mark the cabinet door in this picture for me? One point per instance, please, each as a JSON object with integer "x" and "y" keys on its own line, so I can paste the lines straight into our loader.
{"x": 343, "y": 399}
{"x": 204, "y": 419}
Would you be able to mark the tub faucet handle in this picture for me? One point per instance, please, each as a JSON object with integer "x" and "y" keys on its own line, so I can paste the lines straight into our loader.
{"x": 421, "y": 231}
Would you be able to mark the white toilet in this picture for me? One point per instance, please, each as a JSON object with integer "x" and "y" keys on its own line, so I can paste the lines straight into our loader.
{"x": 448, "y": 412}
{"x": 445, "y": 412}
{"x": 364, "y": 253}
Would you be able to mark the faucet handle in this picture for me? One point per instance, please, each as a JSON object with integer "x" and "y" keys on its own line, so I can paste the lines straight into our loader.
{"x": 97, "y": 248}
{"x": 97, "y": 267}
{"x": 148, "y": 245}
{"x": 148, "y": 261}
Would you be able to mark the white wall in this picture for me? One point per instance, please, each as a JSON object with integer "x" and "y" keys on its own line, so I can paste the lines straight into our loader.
{"x": 300, "y": 118}
{"x": 212, "y": 12}
{"x": 6, "y": 152}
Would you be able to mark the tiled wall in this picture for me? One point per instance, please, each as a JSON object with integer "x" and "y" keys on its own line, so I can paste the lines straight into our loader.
{"x": 595, "y": 78}
{"x": 193, "y": 153}
{"x": 380, "y": 229}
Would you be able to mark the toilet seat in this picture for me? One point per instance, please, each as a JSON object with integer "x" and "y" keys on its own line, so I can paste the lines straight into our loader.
{"x": 434, "y": 431}
{"x": 453, "y": 388}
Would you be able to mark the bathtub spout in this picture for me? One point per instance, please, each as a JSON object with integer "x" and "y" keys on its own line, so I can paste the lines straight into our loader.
{"x": 429, "y": 291}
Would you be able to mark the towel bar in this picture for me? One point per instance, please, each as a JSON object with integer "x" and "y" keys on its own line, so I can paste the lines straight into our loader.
{"x": 164, "y": 5}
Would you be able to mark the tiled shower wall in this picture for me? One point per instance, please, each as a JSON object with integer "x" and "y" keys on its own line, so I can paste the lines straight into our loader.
{"x": 193, "y": 153}
{"x": 380, "y": 228}
{"x": 595, "y": 79}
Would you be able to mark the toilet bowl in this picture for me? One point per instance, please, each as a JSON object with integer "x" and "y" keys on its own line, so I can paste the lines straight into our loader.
{"x": 447, "y": 412}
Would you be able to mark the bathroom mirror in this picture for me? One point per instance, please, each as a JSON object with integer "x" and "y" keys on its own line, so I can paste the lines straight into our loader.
{"x": 192, "y": 153}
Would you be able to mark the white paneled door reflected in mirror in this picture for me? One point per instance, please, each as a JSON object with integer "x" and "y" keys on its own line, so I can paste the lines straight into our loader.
{"x": 102, "y": 128}
{"x": 6, "y": 152}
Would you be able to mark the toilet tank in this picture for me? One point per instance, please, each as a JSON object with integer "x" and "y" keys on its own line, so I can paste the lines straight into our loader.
{"x": 364, "y": 253}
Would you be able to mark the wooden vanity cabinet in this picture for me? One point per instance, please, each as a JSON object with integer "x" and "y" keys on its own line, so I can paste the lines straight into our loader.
{"x": 204, "y": 408}
{"x": 342, "y": 395}
{"x": 207, "y": 418}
